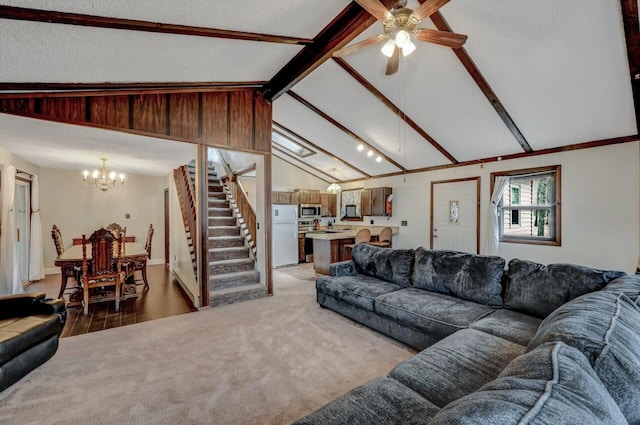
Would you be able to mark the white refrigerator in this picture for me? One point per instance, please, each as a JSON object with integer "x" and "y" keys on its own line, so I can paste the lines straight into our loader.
{"x": 285, "y": 234}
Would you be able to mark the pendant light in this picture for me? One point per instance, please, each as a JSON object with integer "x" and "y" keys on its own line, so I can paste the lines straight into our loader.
{"x": 334, "y": 187}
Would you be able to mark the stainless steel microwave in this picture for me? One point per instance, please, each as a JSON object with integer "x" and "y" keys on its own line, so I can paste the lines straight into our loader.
{"x": 309, "y": 211}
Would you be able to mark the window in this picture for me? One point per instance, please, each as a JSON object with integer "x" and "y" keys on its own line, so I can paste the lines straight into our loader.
{"x": 529, "y": 210}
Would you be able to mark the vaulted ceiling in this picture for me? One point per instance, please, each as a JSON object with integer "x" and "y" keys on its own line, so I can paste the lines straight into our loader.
{"x": 532, "y": 76}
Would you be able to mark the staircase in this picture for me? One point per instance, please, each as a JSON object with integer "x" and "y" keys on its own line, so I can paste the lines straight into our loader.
{"x": 232, "y": 274}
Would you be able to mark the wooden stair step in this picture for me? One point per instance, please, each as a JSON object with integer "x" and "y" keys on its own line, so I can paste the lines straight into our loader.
{"x": 228, "y": 253}
{"x": 230, "y": 266}
{"x": 225, "y": 241}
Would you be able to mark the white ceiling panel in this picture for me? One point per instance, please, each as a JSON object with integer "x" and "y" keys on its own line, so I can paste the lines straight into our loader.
{"x": 295, "y": 116}
{"x": 559, "y": 67}
{"x": 295, "y": 18}
{"x": 334, "y": 91}
{"x": 41, "y": 52}
{"x": 63, "y": 146}
{"x": 440, "y": 96}
{"x": 301, "y": 165}
{"x": 324, "y": 162}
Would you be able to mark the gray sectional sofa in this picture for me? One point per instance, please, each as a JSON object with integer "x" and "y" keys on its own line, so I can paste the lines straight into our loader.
{"x": 532, "y": 344}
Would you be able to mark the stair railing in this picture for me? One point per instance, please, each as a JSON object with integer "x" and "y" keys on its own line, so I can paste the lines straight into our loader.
{"x": 245, "y": 210}
{"x": 186, "y": 196}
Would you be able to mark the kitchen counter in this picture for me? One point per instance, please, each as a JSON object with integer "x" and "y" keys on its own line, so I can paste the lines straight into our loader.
{"x": 328, "y": 243}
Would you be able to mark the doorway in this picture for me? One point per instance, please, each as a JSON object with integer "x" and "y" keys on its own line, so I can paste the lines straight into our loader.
{"x": 22, "y": 206}
{"x": 455, "y": 215}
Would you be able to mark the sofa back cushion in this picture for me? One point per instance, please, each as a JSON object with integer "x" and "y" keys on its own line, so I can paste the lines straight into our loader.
{"x": 628, "y": 285}
{"x": 467, "y": 276}
{"x": 392, "y": 265}
{"x": 605, "y": 327}
{"x": 553, "y": 384}
{"x": 538, "y": 289}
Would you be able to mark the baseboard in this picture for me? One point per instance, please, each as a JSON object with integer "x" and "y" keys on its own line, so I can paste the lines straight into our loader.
{"x": 53, "y": 270}
{"x": 194, "y": 298}
{"x": 155, "y": 262}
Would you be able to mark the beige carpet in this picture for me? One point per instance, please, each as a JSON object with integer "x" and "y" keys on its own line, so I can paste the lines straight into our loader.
{"x": 268, "y": 361}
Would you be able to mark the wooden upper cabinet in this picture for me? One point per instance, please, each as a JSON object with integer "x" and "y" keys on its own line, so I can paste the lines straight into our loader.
{"x": 282, "y": 198}
{"x": 309, "y": 196}
{"x": 328, "y": 201}
{"x": 365, "y": 202}
{"x": 379, "y": 201}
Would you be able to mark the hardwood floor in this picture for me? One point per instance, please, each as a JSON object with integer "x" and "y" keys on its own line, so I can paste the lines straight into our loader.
{"x": 164, "y": 298}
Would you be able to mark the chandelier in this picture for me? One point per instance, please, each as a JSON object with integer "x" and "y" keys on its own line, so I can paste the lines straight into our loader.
{"x": 334, "y": 187}
{"x": 102, "y": 179}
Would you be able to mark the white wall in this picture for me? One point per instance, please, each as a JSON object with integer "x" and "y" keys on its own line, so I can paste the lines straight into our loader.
{"x": 285, "y": 177}
{"x": 77, "y": 210}
{"x": 600, "y": 206}
{"x": 7, "y": 158}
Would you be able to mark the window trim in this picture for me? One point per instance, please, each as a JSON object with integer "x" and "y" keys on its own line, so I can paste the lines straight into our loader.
{"x": 533, "y": 240}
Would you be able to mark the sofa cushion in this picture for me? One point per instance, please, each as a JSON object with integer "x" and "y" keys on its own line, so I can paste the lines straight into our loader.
{"x": 379, "y": 401}
{"x": 605, "y": 327}
{"x": 392, "y": 265}
{"x": 19, "y": 334}
{"x": 467, "y": 276}
{"x": 436, "y": 314}
{"x": 358, "y": 290}
{"x": 628, "y": 285}
{"x": 553, "y": 384}
{"x": 510, "y": 325}
{"x": 456, "y": 366}
{"x": 538, "y": 289}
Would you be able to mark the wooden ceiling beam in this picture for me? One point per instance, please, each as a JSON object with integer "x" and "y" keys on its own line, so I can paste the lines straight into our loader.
{"x": 479, "y": 79}
{"x": 351, "y": 21}
{"x": 632, "y": 35}
{"x": 396, "y": 110}
{"x": 50, "y": 16}
{"x": 317, "y": 170}
{"x": 319, "y": 149}
{"x": 350, "y": 133}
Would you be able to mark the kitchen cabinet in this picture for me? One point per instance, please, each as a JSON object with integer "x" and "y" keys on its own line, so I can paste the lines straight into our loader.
{"x": 328, "y": 201}
{"x": 282, "y": 198}
{"x": 308, "y": 196}
{"x": 301, "y": 253}
{"x": 379, "y": 205}
{"x": 374, "y": 201}
{"x": 365, "y": 202}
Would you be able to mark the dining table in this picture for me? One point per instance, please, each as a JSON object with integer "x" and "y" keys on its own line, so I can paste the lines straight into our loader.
{"x": 71, "y": 259}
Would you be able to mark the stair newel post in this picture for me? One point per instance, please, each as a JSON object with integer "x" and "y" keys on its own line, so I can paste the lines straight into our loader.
{"x": 202, "y": 249}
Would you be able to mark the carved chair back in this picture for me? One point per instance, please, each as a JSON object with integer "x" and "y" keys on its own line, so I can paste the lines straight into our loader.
{"x": 385, "y": 235}
{"x": 102, "y": 255}
{"x": 57, "y": 239}
{"x": 147, "y": 245}
{"x": 116, "y": 229}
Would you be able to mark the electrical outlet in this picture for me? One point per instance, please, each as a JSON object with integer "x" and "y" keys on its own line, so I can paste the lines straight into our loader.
{"x": 403, "y": 223}
{"x": 371, "y": 222}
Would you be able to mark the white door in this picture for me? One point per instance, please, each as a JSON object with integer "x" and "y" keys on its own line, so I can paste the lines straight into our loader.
{"x": 454, "y": 210}
{"x": 22, "y": 205}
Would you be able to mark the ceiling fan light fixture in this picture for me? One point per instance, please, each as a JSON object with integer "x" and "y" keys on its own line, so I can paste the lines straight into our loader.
{"x": 403, "y": 39}
{"x": 388, "y": 48}
{"x": 408, "y": 48}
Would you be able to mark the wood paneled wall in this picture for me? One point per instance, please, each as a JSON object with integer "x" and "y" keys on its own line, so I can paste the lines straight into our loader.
{"x": 238, "y": 119}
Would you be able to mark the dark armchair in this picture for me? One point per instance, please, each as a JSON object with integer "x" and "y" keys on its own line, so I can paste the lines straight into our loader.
{"x": 30, "y": 326}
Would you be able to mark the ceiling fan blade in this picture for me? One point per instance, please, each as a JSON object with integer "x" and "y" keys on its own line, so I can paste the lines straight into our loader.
{"x": 393, "y": 63}
{"x": 355, "y": 47}
{"x": 427, "y": 8}
{"x": 444, "y": 38}
{"x": 375, "y": 8}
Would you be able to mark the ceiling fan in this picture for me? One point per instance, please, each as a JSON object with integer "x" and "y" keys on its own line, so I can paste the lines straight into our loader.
{"x": 400, "y": 27}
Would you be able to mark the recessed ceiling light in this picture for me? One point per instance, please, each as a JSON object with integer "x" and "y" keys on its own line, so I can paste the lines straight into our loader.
{"x": 370, "y": 153}
{"x": 360, "y": 147}
{"x": 379, "y": 159}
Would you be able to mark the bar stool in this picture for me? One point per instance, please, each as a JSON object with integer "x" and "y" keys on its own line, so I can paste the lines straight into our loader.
{"x": 384, "y": 239}
{"x": 363, "y": 236}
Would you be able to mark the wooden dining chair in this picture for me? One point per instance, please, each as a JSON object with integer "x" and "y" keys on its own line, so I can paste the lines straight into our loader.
{"x": 116, "y": 229}
{"x": 384, "y": 238}
{"x": 99, "y": 271}
{"x": 57, "y": 239}
{"x": 363, "y": 236}
{"x": 142, "y": 265}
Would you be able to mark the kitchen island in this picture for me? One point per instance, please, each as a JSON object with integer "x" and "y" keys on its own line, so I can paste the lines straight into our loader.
{"x": 328, "y": 243}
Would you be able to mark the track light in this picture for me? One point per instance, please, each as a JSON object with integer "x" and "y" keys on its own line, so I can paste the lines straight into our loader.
{"x": 370, "y": 153}
{"x": 360, "y": 147}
